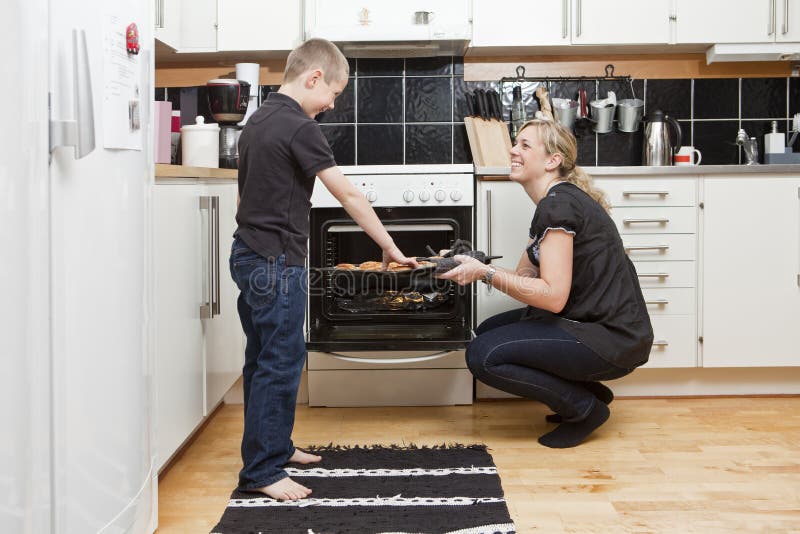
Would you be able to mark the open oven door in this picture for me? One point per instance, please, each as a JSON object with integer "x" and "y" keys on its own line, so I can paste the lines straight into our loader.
{"x": 394, "y": 337}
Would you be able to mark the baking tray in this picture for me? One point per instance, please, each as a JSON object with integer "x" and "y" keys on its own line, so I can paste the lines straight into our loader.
{"x": 352, "y": 281}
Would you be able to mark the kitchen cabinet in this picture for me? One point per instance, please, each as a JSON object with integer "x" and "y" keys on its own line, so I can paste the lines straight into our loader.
{"x": 259, "y": 25}
{"x": 168, "y": 22}
{"x": 564, "y": 22}
{"x": 756, "y": 21}
{"x": 198, "y": 26}
{"x": 198, "y": 358}
{"x": 751, "y": 271}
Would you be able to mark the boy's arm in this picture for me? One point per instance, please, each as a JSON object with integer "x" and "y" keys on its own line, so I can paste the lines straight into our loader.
{"x": 357, "y": 206}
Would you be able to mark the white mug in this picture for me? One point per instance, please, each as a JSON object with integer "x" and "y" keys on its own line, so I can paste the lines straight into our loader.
{"x": 686, "y": 156}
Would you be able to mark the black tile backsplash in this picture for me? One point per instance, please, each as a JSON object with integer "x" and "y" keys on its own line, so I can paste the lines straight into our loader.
{"x": 396, "y": 111}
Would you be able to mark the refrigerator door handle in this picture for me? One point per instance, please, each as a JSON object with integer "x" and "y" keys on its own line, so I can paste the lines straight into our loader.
{"x": 79, "y": 132}
{"x": 207, "y": 307}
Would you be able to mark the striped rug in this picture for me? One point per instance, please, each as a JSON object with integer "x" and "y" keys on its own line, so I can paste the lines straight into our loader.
{"x": 451, "y": 489}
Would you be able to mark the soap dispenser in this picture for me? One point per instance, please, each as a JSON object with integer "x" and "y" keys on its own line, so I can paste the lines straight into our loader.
{"x": 775, "y": 141}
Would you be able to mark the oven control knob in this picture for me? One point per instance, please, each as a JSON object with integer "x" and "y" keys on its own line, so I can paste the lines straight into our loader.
{"x": 455, "y": 195}
{"x": 408, "y": 196}
{"x": 440, "y": 195}
{"x": 424, "y": 196}
{"x": 372, "y": 196}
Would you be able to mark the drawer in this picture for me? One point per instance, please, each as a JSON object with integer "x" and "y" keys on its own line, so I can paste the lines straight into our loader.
{"x": 453, "y": 359}
{"x": 666, "y": 273}
{"x": 660, "y": 247}
{"x": 675, "y": 341}
{"x": 655, "y": 220}
{"x": 649, "y": 192}
{"x": 670, "y": 301}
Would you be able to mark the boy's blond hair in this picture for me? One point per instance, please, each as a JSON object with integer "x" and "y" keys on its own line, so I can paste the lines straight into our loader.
{"x": 317, "y": 53}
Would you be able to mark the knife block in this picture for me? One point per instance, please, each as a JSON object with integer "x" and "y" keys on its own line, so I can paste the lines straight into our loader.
{"x": 489, "y": 142}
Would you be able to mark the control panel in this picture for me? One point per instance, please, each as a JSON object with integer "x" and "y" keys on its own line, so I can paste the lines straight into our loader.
{"x": 393, "y": 190}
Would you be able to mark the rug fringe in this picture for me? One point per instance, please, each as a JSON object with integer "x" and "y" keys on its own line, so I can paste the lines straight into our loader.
{"x": 393, "y": 446}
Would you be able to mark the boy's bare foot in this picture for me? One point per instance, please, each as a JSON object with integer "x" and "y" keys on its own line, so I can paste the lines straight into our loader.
{"x": 285, "y": 489}
{"x": 300, "y": 457}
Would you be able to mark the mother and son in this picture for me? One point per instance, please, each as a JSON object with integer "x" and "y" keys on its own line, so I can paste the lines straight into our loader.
{"x": 584, "y": 319}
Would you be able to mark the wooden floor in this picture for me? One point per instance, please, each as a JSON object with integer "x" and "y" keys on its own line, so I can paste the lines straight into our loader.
{"x": 665, "y": 465}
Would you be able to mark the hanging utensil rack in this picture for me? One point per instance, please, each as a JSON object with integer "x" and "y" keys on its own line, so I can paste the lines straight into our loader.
{"x": 607, "y": 76}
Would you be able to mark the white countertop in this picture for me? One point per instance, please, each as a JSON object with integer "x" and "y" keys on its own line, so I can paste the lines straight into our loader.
{"x": 694, "y": 170}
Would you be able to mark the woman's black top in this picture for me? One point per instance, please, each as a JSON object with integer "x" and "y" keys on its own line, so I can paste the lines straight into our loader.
{"x": 605, "y": 309}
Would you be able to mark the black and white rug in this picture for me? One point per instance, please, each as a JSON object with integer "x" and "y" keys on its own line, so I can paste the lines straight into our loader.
{"x": 451, "y": 489}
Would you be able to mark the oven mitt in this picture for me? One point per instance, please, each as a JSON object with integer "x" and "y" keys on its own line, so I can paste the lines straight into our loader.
{"x": 447, "y": 263}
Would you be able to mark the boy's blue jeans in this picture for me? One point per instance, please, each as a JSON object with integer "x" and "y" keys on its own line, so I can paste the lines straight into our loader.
{"x": 271, "y": 308}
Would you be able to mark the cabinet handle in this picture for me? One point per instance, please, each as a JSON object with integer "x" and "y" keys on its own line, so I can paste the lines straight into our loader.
{"x": 645, "y": 247}
{"x": 660, "y": 343}
{"x": 771, "y": 17}
{"x": 657, "y": 302}
{"x": 159, "y": 14}
{"x": 215, "y": 255}
{"x": 636, "y": 221}
{"x": 207, "y": 307}
{"x": 659, "y": 193}
{"x": 489, "y": 222}
{"x": 564, "y": 8}
{"x": 578, "y": 22}
{"x": 785, "y": 29}
{"x": 653, "y": 275}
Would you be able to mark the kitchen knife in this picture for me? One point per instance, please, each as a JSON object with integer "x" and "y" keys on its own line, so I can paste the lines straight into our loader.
{"x": 498, "y": 104}
{"x": 494, "y": 111}
{"x": 470, "y": 100}
{"x": 483, "y": 104}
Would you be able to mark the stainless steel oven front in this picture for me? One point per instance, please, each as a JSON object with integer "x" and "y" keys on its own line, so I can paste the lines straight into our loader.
{"x": 387, "y": 340}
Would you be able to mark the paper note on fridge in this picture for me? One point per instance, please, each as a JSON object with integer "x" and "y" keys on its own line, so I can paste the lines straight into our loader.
{"x": 122, "y": 80}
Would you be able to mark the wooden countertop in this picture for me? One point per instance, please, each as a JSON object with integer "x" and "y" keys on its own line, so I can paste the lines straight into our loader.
{"x": 182, "y": 171}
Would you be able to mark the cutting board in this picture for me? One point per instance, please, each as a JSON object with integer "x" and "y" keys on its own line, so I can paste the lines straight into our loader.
{"x": 489, "y": 142}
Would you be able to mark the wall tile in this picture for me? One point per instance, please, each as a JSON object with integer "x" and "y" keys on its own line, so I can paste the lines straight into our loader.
{"x": 428, "y": 100}
{"x": 174, "y": 96}
{"x": 587, "y": 146}
{"x": 715, "y": 140}
{"x": 794, "y": 96}
{"x": 764, "y": 98}
{"x": 344, "y": 107}
{"x": 619, "y": 149}
{"x": 342, "y": 140}
{"x": 716, "y": 98}
{"x": 380, "y": 100}
{"x": 461, "y": 149}
{"x": 380, "y": 144}
{"x": 673, "y": 97}
{"x": 429, "y": 66}
{"x": 380, "y": 67}
{"x": 429, "y": 143}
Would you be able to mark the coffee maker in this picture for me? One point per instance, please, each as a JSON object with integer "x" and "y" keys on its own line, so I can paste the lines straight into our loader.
{"x": 228, "y": 100}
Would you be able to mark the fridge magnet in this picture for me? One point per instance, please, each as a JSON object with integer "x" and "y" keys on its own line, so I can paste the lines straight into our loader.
{"x": 132, "y": 38}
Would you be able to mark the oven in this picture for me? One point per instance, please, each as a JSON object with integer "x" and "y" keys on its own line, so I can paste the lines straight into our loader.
{"x": 395, "y": 338}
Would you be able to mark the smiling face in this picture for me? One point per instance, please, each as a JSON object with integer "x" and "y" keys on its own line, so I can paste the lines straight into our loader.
{"x": 529, "y": 158}
{"x": 321, "y": 93}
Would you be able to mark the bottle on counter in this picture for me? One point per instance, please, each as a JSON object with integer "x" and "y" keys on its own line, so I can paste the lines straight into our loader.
{"x": 518, "y": 116}
{"x": 775, "y": 141}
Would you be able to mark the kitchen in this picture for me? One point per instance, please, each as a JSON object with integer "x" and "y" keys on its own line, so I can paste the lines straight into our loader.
{"x": 415, "y": 106}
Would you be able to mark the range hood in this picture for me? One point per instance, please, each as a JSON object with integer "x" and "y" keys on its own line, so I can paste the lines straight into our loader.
{"x": 381, "y": 28}
{"x": 753, "y": 52}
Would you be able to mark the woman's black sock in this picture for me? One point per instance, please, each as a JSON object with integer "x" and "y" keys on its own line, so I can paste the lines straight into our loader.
{"x": 598, "y": 389}
{"x": 571, "y": 434}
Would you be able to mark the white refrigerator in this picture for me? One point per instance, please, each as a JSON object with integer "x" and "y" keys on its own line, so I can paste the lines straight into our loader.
{"x": 75, "y": 305}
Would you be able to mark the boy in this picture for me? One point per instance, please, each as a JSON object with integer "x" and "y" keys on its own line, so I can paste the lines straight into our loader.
{"x": 281, "y": 150}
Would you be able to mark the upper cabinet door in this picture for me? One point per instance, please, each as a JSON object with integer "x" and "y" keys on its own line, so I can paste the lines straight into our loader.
{"x": 259, "y": 25}
{"x": 721, "y": 21}
{"x": 620, "y": 22}
{"x": 497, "y": 23}
{"x": 198, "y": 26}
{"x": 787, "y": 26}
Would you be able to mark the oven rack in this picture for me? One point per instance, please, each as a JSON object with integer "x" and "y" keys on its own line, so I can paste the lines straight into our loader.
{"x": 608, "y": 75}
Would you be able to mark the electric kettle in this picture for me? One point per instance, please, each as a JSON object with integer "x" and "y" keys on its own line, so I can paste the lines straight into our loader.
{"x": 658, "y": 147}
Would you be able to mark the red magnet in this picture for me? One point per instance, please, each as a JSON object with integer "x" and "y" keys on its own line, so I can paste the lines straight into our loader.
{"x": 132, "y": 38}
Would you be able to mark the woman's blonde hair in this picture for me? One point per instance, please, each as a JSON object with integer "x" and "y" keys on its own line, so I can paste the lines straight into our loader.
{"x": 317, "y": 53}
{"x": 559, "y": 140}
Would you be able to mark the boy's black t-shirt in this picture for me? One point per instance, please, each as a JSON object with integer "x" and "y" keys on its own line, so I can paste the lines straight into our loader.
{"x": 281, "y": 150}
{"x": 605, "y": 309}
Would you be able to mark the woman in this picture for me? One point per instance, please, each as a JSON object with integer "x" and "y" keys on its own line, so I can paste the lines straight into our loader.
{"x": 586, "y": 319}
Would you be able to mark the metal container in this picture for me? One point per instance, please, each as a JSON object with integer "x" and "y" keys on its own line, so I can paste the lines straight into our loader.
{"x": 566, "y": 111}
{"x": 602, "y": 116}
{"x": 629, "y": 114}
{"x": 658, "y": 147}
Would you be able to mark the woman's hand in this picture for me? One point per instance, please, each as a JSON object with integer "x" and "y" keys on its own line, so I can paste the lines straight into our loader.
{"x": 468, "y": 270}
{"x": 394, "y": 254}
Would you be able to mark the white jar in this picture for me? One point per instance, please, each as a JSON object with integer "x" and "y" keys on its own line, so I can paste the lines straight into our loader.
{"x": 200, "y": 144}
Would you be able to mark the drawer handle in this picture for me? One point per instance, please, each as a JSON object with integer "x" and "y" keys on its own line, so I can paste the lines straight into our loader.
{"x": 660, "y": 343}
{"x": 645, "y": 247}
{"x": 653, "y": 275}
{"x": 657, "y": 302}
{"x": 658, "y": 193}
{"x": 635, "y": 221}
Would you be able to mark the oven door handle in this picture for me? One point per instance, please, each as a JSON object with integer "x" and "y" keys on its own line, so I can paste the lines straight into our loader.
{"x": 391, "y": 361}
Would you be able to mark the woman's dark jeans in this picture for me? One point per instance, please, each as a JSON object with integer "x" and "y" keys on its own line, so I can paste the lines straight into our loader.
{"x": 271, "y": 308}
{"x": 540, "y": 361}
